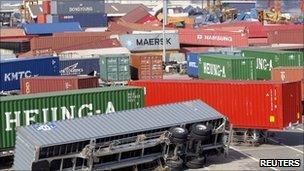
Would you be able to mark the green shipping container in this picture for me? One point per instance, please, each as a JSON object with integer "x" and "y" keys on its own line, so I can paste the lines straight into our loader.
{"x": 23, "y": 110}
{"x": 226, "y": 67}
{"x": 267, "y": 59}
{"x": 115, "y": 68}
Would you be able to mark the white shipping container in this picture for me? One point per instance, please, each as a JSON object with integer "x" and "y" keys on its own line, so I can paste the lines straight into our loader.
{"x": 89, "y": 53}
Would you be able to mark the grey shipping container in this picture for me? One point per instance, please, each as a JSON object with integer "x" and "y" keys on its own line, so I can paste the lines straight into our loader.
{"x": 77, "y": 7}
{"x": 115, "y": 68}
{"x": 149, "y": 41}
{"x": 83, "y": 66}
{"x": 36, "y": 145}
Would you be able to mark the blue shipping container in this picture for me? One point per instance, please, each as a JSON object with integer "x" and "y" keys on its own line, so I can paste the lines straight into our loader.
{"x": 192, "y": 64}
{"x": 12, "y": 70}
{"x": 79, "y": 66}
{"x": 76, "y": 7}
{"x": 86, "y": 20}
{"x": 192, "y": 61}
{"x": 50, "y": 28}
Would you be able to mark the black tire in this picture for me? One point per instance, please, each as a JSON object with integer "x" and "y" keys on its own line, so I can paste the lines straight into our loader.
{"x": 175, "y": 165}
{"x": 198, "y": 137}
{"x": 201, "y": 129}
{"x": 177, "y": 140}
{"x": 196, "y": 163}
{"x": 179, "y": 133}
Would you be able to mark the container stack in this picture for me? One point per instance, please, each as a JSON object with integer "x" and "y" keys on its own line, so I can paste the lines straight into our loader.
{"x": 89, "y": 13}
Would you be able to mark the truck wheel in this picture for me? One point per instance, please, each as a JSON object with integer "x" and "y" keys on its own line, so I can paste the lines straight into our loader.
{"x": 196, "y": 163}
{"x": 179, "y": 133}
{"x": 175, "y": 165}
{"x": 202, "y": 130}
{"x": 198, "y": 137}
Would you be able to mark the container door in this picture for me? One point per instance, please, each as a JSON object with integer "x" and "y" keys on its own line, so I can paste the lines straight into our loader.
{"x": 112, "y": 69}
{"x": 123, "y": 68}
{"x": 145, "y": 66}
{"x": 156, "y": 67}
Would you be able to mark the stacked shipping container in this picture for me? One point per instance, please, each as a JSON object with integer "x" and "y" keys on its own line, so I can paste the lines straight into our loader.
{"x": 49, "y": 84}
{"x": 12, "y": 70}
{"x": 146, "y": 66}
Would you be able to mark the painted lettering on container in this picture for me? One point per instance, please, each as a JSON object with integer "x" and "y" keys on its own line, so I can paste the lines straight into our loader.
{"x": 214, "y": 69}
{"x": 263, "y": 64}
{"x": 152, "y": 42}
{"x": 193, "y": 64}
{"x": 71, "y": 70}
{"x": 215, "y": 37}
{"x": 81, "y": 9}
{"x": 66, "y": 113}
{"x": 15, "y": 76}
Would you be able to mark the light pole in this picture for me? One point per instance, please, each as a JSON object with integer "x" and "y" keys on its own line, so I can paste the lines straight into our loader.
{"x": 164, "y": 28}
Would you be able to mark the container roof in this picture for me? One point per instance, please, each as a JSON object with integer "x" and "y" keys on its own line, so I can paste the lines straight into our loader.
{"x": 276, "y": 51}
{"x": 62, "y": 93}
{"x": 118, "y": 123}
{"x": 50, "y": 28}
{"x": 223, "y": 56}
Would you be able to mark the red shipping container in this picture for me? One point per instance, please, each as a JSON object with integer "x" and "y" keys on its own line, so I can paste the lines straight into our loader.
{"x": 56, "y": 83}
{"x": 247, "y": 104}
{"x": 213, "y": 38}
{"x": 255, "y": 29}
{"x": 147, "y": 66}
{"x": 289, "y": 74}
{"x": 63, "y": 41}
{"x": 41, "y": 18}
{"x": 285, "y": 33}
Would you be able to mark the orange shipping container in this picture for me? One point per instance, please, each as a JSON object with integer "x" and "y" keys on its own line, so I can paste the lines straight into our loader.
{"x": 57, "y": 83}
{"x": 146, "y": 66}
{"x": 41, "y": 18}
{"x": 289, "y": 74}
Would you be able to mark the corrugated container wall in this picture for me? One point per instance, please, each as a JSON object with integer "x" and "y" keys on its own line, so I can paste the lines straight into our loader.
{"x": 18, "y": 45}
{"x": 60, "y": 106}
{"x": 77, "y": 7}
{"x": 222, "y": 67}
{"x": 146, "y": 66}
{"x": 268, "y": 59}
{"x": 149, "y": 41}
{"x": 114, "y": 68}
{"x": 13, "y": 70}
{"x": 60, "y": 83}
{"x": 85, "y": 19}
{"x": 289, "y": 74}
{"x": 79, "y": 66}
{"x": 244, "y": 107}
{"x": 213, "y": 38}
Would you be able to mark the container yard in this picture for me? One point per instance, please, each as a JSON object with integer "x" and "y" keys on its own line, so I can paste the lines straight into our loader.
{"x": 163, "y": 85}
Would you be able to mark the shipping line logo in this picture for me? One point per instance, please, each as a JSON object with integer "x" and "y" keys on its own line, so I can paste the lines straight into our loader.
{"x": 214, "y": 69}
{"x": 215, "y": 37}
{"x": 71, "y": 70}
{"x": 66, "y": 113}
{"x": 263, "y": 64}
{"x": 15, "y": 76}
